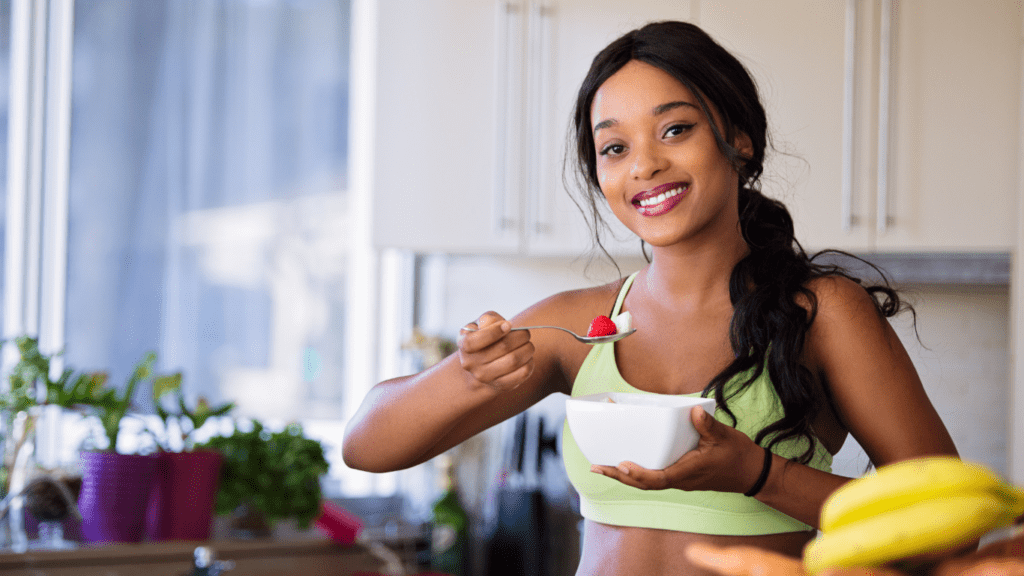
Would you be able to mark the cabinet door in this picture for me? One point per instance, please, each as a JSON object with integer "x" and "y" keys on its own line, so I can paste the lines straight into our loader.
{"x": 445, "y": 78}
{"x": 796, "y": 52}
{"x": 569, "y": 33}
{"x": 955, "y": 158}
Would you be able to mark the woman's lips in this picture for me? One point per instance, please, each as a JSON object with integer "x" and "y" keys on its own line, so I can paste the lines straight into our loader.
{"x": 661, "y": 199}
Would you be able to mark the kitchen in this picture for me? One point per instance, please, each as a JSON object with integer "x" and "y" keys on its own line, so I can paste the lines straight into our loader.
{"x": 872, "y": 107}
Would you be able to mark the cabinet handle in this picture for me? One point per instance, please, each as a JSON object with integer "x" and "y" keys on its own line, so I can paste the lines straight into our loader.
{"x": 509, "y": 88}
{"x": 539, "y": 102}
{"x": 884, "y": 114}
{"x": 849, "y": 88}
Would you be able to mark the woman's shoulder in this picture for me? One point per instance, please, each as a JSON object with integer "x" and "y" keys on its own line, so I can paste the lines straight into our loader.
{"x": 573, "y": 309}
{"x": 839, "y": 297}
{"x": 844, "y": 313}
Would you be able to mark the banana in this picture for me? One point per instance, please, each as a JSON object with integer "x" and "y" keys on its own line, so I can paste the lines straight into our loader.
{"x": 903, "y": 483}
{"x": 939, "y": 524}
{"x": 1017, "y": 500}
{"x": 926, "y": 506}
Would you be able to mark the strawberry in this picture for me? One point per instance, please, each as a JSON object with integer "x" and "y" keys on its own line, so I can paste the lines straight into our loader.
{"x": 602, "y": 326}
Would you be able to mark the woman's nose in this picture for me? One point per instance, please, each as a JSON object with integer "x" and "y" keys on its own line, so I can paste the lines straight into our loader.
{"x": 648, "y": 161}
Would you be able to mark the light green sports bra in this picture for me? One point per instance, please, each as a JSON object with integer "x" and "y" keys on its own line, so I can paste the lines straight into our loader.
{"x": 609, "y": 501}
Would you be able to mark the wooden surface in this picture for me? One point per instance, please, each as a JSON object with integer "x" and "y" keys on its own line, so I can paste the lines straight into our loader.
{"x": 251, "y": 558}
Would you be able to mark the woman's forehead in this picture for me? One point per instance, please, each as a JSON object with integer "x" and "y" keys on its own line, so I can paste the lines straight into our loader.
{"x": 637, "y": 90}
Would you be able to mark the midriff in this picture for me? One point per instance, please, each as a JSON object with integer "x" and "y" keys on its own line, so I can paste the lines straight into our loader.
{"x": 626, "y": 551}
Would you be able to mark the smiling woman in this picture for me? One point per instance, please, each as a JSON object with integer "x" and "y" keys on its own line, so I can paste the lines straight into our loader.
{"x": 671, "y": 135}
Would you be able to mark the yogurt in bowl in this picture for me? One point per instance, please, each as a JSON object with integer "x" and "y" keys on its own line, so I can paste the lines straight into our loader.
{"x": 652, "y": 430}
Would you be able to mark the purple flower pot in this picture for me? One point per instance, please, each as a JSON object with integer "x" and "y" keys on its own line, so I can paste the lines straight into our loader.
{"x": 184, "y": 493}
{"x": 115, "y": 493}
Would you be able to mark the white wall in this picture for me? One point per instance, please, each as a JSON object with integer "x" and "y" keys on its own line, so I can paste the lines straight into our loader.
{"x": 963, "y": 360}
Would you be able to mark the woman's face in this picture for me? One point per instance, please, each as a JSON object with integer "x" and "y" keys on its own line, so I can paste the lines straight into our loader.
{"x": 658, "y": 163}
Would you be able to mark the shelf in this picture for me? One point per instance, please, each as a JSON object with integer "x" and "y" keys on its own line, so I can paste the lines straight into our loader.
{"x": 987, "y": 268}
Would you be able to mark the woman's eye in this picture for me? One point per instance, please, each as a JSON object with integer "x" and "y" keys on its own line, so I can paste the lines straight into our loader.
{"x": 612, "y": 150}
{"x": 677, "y": 129}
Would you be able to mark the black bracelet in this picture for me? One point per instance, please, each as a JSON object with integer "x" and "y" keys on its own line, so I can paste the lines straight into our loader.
{"x": 764, "y": 474}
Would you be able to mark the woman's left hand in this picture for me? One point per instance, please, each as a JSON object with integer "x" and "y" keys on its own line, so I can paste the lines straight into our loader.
{"x": 725, "y": 460}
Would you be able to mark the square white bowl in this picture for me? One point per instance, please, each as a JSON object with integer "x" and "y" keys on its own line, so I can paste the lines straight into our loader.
{"x": 652, "y": 430}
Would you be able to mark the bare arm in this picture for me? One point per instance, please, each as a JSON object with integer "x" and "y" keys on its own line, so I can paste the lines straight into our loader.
{"x": 495, "y": 375}
{"x": 877, "y": 393}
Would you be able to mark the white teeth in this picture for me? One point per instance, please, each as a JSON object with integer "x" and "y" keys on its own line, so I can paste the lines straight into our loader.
{"x": 660, "y": 197}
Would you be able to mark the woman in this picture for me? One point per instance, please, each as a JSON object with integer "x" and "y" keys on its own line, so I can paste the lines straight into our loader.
{"x": 670, "y": 133}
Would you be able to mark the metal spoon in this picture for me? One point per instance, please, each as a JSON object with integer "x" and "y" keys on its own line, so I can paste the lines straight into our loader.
{"x": 585, "y": 339}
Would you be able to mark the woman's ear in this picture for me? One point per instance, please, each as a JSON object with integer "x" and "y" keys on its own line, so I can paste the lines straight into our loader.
{"x": 742, "y": 143}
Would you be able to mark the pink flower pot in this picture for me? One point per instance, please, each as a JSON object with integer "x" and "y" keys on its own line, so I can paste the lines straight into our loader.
{"x": 183, "y": 495}
{"x": 115, "y": 492}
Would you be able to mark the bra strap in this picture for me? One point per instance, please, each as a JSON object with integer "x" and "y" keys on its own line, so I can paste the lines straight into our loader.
{"x": 622, "y": 293}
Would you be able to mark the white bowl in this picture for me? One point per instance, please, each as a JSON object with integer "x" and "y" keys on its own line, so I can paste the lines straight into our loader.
{"x": 652, "y": 430}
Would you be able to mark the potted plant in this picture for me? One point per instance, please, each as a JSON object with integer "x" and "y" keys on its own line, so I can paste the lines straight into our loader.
{"x": 116, "y": 486}
{"x": 30, "y": 389}
{"x": 18, "y": 402}
{"x": 268, "y": 477}
{"x": 185, "y": 487}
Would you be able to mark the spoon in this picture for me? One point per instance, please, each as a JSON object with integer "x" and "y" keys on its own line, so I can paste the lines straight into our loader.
{"x": 585, "y": 339}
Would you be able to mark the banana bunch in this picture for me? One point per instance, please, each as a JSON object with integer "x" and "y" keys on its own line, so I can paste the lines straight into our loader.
{"x": 911, "y": 508}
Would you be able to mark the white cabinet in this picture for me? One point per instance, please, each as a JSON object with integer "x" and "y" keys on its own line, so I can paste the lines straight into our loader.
{"x": 474, "y": 99}
{"x": 956, "y": 134}
{"x": 435, "y": 134}
{"x": 473, "y": 103}
{"x": 943, "y": 176}
{"x": 796, "y": 52}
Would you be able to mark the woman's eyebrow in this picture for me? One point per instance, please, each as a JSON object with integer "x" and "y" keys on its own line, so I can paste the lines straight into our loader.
{"x": 658, "y": 110}
{"x": 662, "y": 108}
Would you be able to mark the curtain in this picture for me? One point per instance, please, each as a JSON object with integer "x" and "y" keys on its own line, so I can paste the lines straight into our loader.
{"x": 207, "y": 197}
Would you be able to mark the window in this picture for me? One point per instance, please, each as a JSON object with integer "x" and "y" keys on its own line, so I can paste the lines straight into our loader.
{"x": 206, "y": 155}
{"x": 206, "y": 193}
{"x": 5, "y": 68}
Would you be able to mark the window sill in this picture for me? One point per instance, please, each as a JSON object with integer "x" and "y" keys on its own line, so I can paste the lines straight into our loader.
{"x": 279, "y": 557}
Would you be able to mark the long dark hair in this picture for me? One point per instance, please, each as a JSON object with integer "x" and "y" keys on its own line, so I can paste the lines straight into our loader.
{"x": 769, "y": 325}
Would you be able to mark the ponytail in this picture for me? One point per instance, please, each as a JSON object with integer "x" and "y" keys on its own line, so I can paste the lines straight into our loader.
{"x": 769, "y": 326}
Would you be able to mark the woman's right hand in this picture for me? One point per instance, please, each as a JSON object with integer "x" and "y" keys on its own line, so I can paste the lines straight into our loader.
{"x": 495, "y": 355}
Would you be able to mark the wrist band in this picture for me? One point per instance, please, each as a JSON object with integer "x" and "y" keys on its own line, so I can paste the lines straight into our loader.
{"x": 764, "y": 474}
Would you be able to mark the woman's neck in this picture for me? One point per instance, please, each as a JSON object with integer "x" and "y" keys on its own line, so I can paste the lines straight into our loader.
{"x": 693, "y": 275}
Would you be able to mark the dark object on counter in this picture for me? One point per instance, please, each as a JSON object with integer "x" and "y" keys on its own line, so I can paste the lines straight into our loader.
{"x": 248, "y": 522}
{"x": 49, "y": 499}
{"x": 519, "y": 544}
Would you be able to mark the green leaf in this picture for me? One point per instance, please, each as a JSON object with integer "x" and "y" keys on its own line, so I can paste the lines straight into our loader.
{"x": 266, "y": 470}
{"x": 163, "y": 385}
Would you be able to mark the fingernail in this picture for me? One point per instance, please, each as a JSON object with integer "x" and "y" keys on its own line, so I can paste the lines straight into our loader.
{"x": 505, "y": 326}
{"x": 623, "y": 469}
